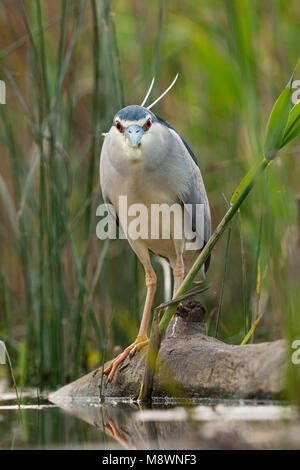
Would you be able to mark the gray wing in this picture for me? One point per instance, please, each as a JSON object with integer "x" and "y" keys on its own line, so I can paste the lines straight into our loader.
{"x": 113, "y": 213}
{"x": 195, "y": 193}
{"x": 105, "y": 184}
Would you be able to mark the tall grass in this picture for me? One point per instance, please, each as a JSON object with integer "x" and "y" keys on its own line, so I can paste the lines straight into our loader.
{"x": 69, "y": 66}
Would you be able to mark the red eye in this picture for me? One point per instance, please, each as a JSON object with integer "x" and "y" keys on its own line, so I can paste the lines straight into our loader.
{"x": 119, "y": 126}
{"x": 148, "y": 124}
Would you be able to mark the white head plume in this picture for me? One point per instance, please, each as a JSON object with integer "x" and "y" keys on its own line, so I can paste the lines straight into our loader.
{"x": 148, "y": 92}
{"x": 104, "y": 134}
{"x": 163, "y": 94}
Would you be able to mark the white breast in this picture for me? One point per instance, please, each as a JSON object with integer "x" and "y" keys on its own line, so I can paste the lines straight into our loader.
{"x": 153, "y": 174}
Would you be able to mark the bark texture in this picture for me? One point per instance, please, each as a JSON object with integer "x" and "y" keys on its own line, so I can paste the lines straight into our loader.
{"x": 192, "y": 365}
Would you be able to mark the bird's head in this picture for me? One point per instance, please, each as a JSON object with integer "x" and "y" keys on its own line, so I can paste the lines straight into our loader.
{"x": 138, "y": 135}
{"x": 133, "y": 125}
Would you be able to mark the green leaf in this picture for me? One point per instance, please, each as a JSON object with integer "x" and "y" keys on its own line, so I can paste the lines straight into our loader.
{"x": 292, "y": 129}
{"x": 278, "y": 120}
{"x": 277, "y": 123}
{"x": 247, "y": 179}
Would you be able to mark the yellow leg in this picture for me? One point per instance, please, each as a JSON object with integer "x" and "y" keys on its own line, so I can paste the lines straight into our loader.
{"x": 141, "y": 339}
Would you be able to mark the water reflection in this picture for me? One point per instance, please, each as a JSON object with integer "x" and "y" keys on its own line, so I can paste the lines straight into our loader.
{"x": 119, "y": 422}
{"x": 231, "y": 425}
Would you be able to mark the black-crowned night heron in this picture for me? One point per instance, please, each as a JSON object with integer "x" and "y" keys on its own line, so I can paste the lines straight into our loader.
{"x": 145, "y": 159}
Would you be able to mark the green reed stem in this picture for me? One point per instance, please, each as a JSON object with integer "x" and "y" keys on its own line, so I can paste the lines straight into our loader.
{"x": 244, "y": 275}
{"x": 211, "y": 244}
{"x": 223, "y": 280}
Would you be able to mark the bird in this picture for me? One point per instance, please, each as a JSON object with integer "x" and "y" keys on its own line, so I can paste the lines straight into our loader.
{"x": 146, "y": 160}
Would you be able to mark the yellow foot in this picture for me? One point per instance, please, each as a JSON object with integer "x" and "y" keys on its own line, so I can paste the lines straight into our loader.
{"x": 110, "y": 370}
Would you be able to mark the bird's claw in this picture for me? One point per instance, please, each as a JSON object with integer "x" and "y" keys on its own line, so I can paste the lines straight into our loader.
{"x": 130, "y": 351}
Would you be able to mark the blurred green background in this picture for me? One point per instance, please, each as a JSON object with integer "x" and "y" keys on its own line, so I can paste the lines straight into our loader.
{"x": 67, "y": 298}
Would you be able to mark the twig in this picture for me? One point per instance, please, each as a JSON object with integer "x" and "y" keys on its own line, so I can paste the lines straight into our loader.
{"x": 154, "y": 345}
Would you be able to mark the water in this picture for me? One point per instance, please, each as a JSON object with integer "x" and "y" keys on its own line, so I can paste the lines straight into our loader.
{"x": 203, "y": 424}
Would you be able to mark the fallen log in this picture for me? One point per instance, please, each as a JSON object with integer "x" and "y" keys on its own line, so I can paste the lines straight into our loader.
{"x": 192, "y": 365}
